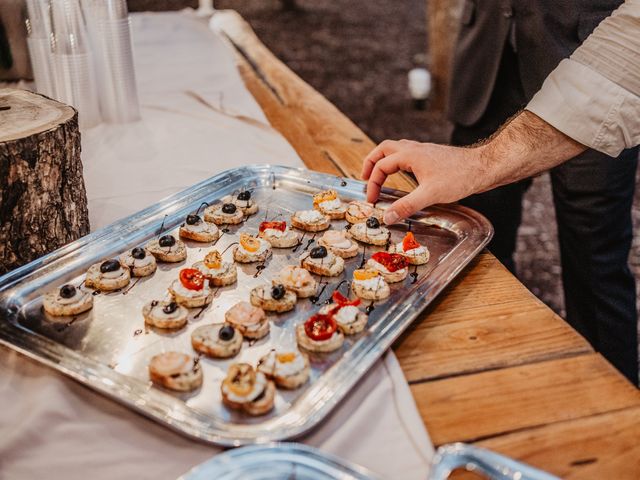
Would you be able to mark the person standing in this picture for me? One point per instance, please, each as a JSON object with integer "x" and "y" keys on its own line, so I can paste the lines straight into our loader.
{"x": 505, "y": 50}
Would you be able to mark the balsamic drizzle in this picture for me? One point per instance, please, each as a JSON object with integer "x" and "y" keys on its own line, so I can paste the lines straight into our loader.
{"x": 137, "y": 332}
{"x": 328, "y": 300}
{"x": 162, "y": 225}
{"x": 295, "y": 247}
{"x": 259, "y": 269}
{"x": 228, "y": 247}
{"x": 414, "y": 274}
{"x": 316, "y": 298}
{"x": 201, "y": 205}
{"x": 131, "y": 286}
{"x": 364, "y": 256}
{"x": 64, "y": 326}
{"x": 309, "y": 242}
{"x": 370, "y": 308}
{"x": 202, "y": 309}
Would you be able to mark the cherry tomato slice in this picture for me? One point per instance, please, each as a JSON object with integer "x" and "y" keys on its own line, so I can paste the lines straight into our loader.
{"x": 409, "y": 242}
{"x": 320, "y": 327}
{"x": 391, "y": 261}
{"x": 191, "y": 278}
{"x": 343, "y": 301}
{"x": 282, "y": 226}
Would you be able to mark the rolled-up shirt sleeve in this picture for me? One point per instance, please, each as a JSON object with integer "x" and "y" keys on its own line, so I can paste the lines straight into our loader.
{"x": 594, "y": 96}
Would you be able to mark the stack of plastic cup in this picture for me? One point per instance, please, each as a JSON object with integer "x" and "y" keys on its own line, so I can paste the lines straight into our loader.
{"x": 75, "y": 79}
{"x": 39, "y": 44}
{"x": 110, "y": 33}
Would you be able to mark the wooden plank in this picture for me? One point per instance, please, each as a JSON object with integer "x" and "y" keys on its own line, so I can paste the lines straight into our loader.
{"x": 483, "y": 343}
{"x": 325, "y": 139}
{"x": 443, "y": 22}
{"x": 473, "y": 407}
{"x": 599, "y": 447}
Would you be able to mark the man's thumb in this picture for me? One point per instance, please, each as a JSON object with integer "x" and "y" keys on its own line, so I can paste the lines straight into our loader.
{"x": 406, "y": 206}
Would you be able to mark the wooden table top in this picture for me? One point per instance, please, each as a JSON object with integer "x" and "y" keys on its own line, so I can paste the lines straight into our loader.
{"x": 488, "y": 363}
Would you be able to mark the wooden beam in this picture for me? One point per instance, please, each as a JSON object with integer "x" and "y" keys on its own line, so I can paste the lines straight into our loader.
{"x": 443, "y": 20}
{"x": 324, "y": 137}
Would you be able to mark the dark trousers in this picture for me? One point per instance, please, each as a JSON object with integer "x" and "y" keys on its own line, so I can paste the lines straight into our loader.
{"x": 592, "y": 194}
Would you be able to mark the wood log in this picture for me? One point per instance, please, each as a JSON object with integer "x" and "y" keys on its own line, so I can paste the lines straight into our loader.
{"x": 43, "y": 202}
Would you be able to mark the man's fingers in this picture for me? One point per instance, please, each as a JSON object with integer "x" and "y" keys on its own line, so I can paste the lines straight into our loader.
{"x": 407, "y": 205}
{"x": 381, "y": 170}
{"x": 384, "y": 149}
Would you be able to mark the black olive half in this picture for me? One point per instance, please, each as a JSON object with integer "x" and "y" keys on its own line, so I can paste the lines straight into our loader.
{"x": 277, "y": 292}
{"x": 167, "y": 241}
{"x": 110, "y": 266}
{"x": 67, "y": 291}
{"x": 244, "y": 196}
{"x": 138, "y": 253}
{"x": 373, "y": 222}
{"x": 226, "y": 333}
{"x": 229, "y": 208}
{"x": 193, "y": 219}
{"x": 318, "y": 252}
{"x": 169, "y": 308}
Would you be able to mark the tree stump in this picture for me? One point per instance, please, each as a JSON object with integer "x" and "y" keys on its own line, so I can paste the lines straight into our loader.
{"x": 43, "y": 201}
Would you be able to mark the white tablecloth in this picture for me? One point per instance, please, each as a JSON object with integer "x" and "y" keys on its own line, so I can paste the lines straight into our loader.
{"x": 52, "y": 427}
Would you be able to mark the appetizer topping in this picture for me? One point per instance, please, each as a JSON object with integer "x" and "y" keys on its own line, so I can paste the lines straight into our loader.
{"x": 249, "y": 243}
{"x": 310, "y": 216}
{"x": 409, "y": 242}
{"x": 295, "y": 276}
{"x": 373, "y": 223}
{"x": 244, "y": 195}
{"x": 243, "y": 313}
{"x": 173, "y": 364}
{"x": 67, "y": 291}
{"x": 170, "y": 307}
{"x": 193, "y": 219}
{"x": 347, "y": 314}
{"x": 110, "y": 266}
{"x": 343, "y": 301}
{"x": 191, "y": 279}
{"x": 277, "y": 292}
{"x": 240, "y": 379}
{"x": 337, "y": 239}
{"x": 391, "y": 261}
{"x": 213, "y": 260}
{"x": 138, "y": 253}
{"x": 320, "y": 327}
{"x": 229, "y": 208}
{"x": 167, "y": 241}
{"x": 286, "y": 357}
{"x": 226, "y": 333}
{"x": 281, "y": 226}
{"x": 361, "y": 209}
{"x": 326, "y": 196}
{"x": 318, "y": 252}
{"x": 365, "y": 274}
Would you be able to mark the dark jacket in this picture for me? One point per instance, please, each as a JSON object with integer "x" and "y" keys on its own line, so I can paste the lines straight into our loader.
{"x": 546, "y": 31}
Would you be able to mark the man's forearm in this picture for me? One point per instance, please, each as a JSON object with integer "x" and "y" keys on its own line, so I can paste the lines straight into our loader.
{"x": 525, "y": 146}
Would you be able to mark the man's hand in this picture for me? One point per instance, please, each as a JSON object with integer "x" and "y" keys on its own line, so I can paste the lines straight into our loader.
{"x": 444, "y": 174}
{"x": 523, "y": 147}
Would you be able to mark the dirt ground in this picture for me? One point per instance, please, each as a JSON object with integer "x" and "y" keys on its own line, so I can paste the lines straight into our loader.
{"x": 357, "y": 53}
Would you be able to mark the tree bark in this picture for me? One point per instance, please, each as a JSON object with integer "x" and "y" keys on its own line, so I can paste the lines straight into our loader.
{"x": 43, "y": 201}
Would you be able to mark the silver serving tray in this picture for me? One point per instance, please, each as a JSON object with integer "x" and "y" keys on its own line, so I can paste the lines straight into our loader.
{"x": 284, "y": 460}
{"x": 277, "y": 461}
{"x": 108, "y": 348}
